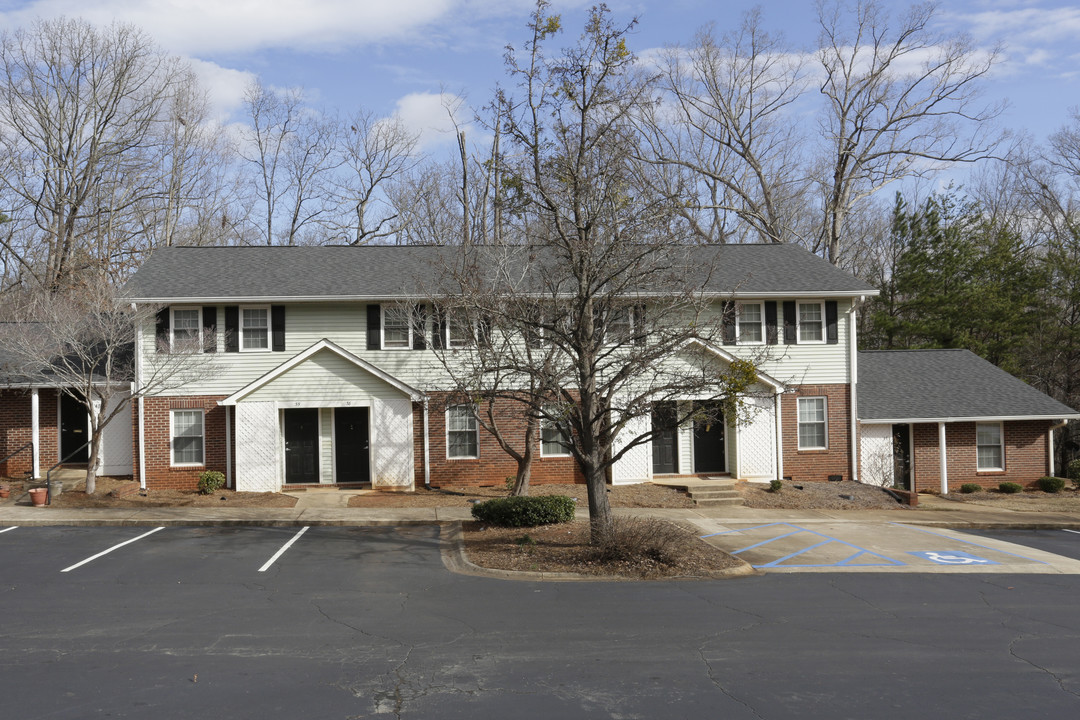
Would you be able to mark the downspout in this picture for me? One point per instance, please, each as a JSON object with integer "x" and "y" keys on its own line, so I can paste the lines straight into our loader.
{"x": 853, "y": 365}
{"x": 1053, "y": 463}
{"x": 427, "y": 446}
{"x": 137, "y": 388}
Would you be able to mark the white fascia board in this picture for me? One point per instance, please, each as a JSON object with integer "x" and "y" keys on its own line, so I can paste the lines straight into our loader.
{"x": 986, "y": 418}
{"x": 323, "y": 344}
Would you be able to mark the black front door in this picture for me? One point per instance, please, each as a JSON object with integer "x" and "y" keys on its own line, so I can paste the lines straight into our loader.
{"x": 901, "y": 443}
{"x": 74, "y": 430}
{"x": 709, "y": 438}
{"x": 302, "y": 446}
{"x": 352, "y": 452}
{"x": 665, "y": 442}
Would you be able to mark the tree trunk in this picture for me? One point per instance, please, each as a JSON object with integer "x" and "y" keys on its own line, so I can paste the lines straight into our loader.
{"x": 524, "y": 461}
{"x": 601, "y": 521}
{"x": 92, "y": 464}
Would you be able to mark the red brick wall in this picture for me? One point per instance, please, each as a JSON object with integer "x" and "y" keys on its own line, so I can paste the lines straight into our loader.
{"x": 159, "y": 472}
{"x": 1026, "y": 455}
{"x": 493, "y": 465}
{"x": 16, "y": 430}
{"x": 802, "y": 465}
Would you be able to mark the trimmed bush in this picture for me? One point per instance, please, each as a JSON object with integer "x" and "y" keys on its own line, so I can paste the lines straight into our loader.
{"x": 525, "y": 511}
{"x": 971, "y": 488}
{"x": 1010, "y": 488}
{"x": 210, "y": 482}
{"x": 1051, "y": 484}
{"x": 1074, "y": 472}
{"x": 775, "y": 485}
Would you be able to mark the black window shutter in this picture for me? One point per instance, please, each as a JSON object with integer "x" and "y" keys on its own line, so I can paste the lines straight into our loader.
{"x": 791, "y": 336}
{"x": 232, "y": 328}
{"x": 161, "y": 330}
{"x": 209, "y": 326}
{"x": 277, "y": 328}
{"x": 374, "y": 327}
{"x": 639, "y": 325}
{"x": 419, "y": 341}
{"x": 770, "y": 323}
{"x": 832, "y": 337}
{"x": 729, "y": 323}
{"x": 483, "y": 330}
{"x": 438, "y": 329}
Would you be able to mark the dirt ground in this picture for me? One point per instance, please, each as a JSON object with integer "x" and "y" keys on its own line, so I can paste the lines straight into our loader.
{"x": 1068, "y": 500}
{"x": 565, "y": 548}
{"x": 642, "y": 495}
{"x": 77, "y": 497}
{"x": 818, "y": 496}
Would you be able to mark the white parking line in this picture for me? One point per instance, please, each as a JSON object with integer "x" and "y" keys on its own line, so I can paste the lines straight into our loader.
{"x": 1072, "y": 531}
{"x": 9, "y": 529}
{"x": 284, "y": 547}
{"x": 114, "y": 547}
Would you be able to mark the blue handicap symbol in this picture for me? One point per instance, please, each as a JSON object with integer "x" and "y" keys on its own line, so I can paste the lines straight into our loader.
{"x": 952, "y": 557}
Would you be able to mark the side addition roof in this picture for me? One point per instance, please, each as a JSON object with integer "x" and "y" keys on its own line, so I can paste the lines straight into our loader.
{"x": 379, "y": 272}
{"x": 945, "y": 386}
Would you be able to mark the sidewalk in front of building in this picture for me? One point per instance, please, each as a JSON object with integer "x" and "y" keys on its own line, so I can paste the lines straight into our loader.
{"x": 932, "y": 512}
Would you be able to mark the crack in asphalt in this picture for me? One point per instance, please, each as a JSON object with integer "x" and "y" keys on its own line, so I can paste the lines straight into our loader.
{"x": 720, "y": 686}
{"x": 1032, "y": 663}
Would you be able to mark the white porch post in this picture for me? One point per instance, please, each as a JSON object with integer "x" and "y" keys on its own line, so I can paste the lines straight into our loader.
{"x": 228, "y": 448}
{"x": 779, "y": 439}
{"x": 427, "y": 446}
{"x": 35, "y": 432}
{"x": 942, "y": 461}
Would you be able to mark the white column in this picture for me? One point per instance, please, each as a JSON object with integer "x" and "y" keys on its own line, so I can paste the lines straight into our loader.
{"x": 427, "y": 446}
{"x": 228, "y": 447}
{"x": 35, "y": 432}
{"x": 942, "y": 461}
{"x": 779, "y": 440}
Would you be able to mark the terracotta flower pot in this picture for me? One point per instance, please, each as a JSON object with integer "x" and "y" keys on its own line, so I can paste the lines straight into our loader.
{"x": 37, "y": 496}
{"x": 4, "y": 493}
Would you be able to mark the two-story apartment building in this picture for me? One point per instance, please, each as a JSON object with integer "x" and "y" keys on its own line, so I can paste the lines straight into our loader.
{"x": 318, "y": 377}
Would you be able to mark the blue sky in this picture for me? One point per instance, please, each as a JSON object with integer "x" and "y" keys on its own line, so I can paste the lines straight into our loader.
{"x": 403, "y": 55}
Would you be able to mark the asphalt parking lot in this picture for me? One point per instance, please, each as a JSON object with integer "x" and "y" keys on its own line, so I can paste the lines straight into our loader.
{"x": 892, "y": 547}
{"x": 357, "y": 622}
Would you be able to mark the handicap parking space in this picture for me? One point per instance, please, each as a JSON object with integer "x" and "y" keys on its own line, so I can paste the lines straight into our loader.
{"x": 889, "y": 547}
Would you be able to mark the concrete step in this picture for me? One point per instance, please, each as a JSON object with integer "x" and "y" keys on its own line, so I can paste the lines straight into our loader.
{"x": 712, "y": 494}
{"x": 714, "y": 502}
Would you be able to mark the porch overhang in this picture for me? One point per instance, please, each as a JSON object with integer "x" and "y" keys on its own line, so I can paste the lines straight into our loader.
{"x": 724, "y": 355}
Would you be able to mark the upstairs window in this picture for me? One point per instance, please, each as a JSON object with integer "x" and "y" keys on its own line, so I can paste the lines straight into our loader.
{"x": 255, "y": 328}
{"x": 397, "y": 330}
{"x": 458, "y": 329}
{"x": 811, "y": 322}
{"x": 749, "y": 324}
{"x": 186, "y": 328}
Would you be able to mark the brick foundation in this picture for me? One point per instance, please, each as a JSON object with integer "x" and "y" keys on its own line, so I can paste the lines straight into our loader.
{"x": 1026, "y": 455}
{"x": 811, "y": 465}
{"x": 16, "y": 429}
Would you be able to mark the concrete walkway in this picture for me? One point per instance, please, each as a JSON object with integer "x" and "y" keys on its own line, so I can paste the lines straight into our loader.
{"x": 314, "y": 508}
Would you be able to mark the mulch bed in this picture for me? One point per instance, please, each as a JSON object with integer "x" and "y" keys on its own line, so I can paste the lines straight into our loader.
{"x": 130, "y": 497}
{"x": 565, "y": 548}
{"x": 642, "y": 495}
{"x": 843, "y": 495}
{"x": 1068, "y": 500}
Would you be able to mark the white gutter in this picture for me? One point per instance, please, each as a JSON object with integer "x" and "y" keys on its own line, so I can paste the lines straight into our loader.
{"x": 987, "y": 418}
{"x": 427, "y": 446}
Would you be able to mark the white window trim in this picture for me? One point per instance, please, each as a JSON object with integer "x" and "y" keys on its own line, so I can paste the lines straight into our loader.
{"x": 543, "y": 454}
{"x": 172, "y": 326}
{"x": 446, "y": 423}
{"x": 1001, "y": 447}
{"x": 172, "y": 436}
{"x": 799, "y": 324}
{"x": 760, "y": 323}
{"x": 269, "y": 328}
{"x": 798, "y": 422}
{"x": 468, "y": 342}
{"x": 382, "y": 328}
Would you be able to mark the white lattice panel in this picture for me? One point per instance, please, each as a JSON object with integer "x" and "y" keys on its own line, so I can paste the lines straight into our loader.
{"x": 257, "y": 447}
{"x": 636, "y": 465}
{"x": 116, "y": 458}
{"x": 392, "y": 443}
{"x": 877, "y": 454}
{"x": 757, "y": 441}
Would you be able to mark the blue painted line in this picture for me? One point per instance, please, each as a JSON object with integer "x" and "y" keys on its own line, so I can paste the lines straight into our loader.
{"x": 774, "y": 563}
{"x": 956, "y": 539}
{"x": 766, "y": 542}
{"x": 848, "y": 562}
{"x": 756, "y": 527}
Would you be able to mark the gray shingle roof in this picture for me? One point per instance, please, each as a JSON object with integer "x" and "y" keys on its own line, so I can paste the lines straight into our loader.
{"x": 945, "y": 384}
{"x": 382, "y": 271}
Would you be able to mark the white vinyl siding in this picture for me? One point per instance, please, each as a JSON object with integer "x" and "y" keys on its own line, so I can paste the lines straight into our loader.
{"x": 462, "y": 433}
{"x": 990, "y": 446}
{"x": 813, "y": 425}
{"x": 254, "y": 328}
{"x": 187, "y": 440}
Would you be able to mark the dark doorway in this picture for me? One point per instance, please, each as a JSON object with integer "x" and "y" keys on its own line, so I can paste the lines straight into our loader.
{"x": 901, "y": 449}
{"x": 74, "y": 430}
{"x": 302, "y": 446}
{"x": 709, "y": 438}
{"x": 665, "y": 442}
{"x": 352, "y": 452}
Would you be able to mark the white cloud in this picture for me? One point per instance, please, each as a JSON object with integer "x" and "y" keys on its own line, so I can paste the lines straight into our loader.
{"x": 433, "y": 116}
{"x": 224, "y": 86}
